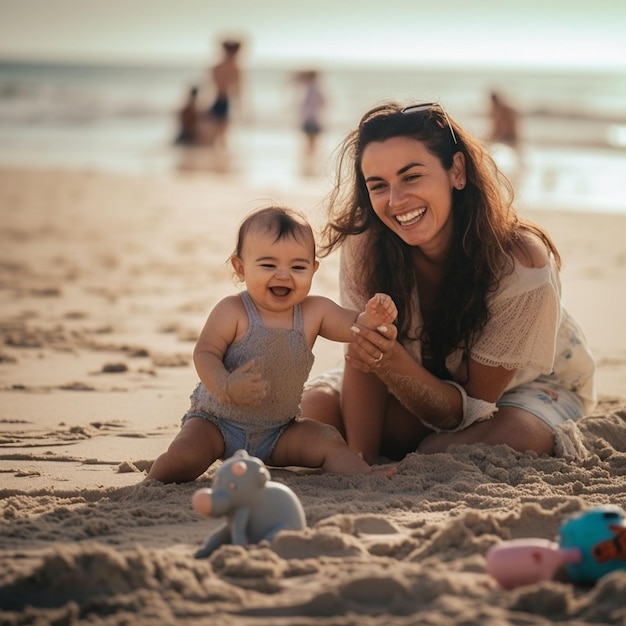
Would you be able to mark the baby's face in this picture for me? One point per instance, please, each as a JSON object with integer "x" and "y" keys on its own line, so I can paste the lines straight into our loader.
{"x": 278, "y": 274}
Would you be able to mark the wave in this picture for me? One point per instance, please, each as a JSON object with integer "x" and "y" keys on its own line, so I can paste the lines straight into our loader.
{"x": 79, "y": 94}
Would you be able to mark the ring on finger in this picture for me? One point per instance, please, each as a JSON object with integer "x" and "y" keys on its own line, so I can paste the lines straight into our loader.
{"x": 380, "y": 358}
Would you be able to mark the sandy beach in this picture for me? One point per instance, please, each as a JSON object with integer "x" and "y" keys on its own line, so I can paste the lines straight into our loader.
{"x": 105, "y": 283}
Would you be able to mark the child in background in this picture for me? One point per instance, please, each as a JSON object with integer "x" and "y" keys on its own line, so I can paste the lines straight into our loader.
{"x": 254, "y": 355}
{"x": 188, "y": 120}
{"x": 313, "y": 102}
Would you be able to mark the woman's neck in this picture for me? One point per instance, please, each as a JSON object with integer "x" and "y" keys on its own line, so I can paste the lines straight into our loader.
{"x": 429, "y": 263}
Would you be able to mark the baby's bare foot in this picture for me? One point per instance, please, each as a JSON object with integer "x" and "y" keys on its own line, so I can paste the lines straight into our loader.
{"x": 382, "y": 308}
{"x": 387, "y": 472}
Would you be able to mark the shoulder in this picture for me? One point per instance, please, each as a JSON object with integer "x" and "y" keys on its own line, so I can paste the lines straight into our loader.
{"x": 353, "y": 250}
{"x": 224, "y": 322}
{"x": 534, "y": 269}
{"x": 229, "y": 305}
{"x": 233, "y": 300}
{"x": 316, "y": 303}
{"x": 530, "y": 251}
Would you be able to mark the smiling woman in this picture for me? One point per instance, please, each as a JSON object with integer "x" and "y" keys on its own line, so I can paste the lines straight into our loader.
{"x": 485, "y": 352}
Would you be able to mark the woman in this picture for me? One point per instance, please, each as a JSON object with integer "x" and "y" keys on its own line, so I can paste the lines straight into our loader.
{"x": 482, "y": 350}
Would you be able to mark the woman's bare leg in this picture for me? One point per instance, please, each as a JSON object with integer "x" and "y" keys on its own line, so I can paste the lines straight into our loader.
{"x": 514, "y": 427}
{"x": 402, "y": 431}
{"x": 195, "y": 448}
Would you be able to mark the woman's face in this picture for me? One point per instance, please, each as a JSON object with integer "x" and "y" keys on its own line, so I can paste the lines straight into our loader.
{"x": 411, "y": 192}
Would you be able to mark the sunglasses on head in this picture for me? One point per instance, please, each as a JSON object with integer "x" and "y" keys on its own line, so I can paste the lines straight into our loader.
{"x": 430, "y": 106}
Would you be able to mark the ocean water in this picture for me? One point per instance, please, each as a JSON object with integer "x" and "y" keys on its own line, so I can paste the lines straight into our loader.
{"x": 122, "y": 118}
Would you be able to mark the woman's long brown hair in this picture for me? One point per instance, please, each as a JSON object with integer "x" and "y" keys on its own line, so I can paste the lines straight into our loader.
{"x": 487, "y": 229}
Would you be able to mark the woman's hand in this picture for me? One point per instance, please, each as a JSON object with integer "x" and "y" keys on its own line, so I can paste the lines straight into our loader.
{"x": 371, "y": 348}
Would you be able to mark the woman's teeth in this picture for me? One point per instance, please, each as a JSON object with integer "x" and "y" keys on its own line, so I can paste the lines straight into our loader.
{"x": 411, "y": 217}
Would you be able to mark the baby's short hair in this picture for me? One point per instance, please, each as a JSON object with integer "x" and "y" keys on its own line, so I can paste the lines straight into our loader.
{"x": 279, "y": 221}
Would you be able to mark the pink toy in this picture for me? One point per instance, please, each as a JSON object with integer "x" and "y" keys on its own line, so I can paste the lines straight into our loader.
{"x": 591, "y": 544}
{"x": 525, "y": 561}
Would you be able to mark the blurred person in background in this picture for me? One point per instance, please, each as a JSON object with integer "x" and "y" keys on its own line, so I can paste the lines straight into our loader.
{"x": 504, "y": 122}
{"x": 225, "y": 87}
{"x": 188, "y": 120}
{"x": 504, "y": 136}
{"x": 311, "y": 105}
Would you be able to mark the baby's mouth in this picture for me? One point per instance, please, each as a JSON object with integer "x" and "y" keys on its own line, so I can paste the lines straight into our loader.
{"x": 407, "y": 219}
{"x": 280, "y": 292}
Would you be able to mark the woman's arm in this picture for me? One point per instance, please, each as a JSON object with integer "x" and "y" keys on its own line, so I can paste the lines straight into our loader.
{"x": 433, "y": 401}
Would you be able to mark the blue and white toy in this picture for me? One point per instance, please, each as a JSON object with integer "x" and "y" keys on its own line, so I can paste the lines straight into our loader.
{"x": 255, "y": 507}
{"x": 600, "y": 536}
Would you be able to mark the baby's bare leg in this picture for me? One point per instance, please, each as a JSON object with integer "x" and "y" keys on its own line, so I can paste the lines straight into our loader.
{"x": 197, "y": 446}
{"x": 380, "y": 309}
{"x": 308, "y": 443}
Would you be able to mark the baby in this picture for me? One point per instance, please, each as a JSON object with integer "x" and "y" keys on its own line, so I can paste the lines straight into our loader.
{"x": 254, "y": 355}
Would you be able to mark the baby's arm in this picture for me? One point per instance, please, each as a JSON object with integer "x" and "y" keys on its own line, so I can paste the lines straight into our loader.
{"x": 380, "y": 309}
{"x": 243, "y": 386}
{"x": 335, "y": 322}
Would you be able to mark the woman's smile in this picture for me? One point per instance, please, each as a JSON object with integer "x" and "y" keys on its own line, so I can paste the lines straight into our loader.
{"x": 410, "y": 218}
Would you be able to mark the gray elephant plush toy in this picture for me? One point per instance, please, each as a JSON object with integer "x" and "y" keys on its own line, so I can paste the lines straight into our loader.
{"x": 255, "y": 506}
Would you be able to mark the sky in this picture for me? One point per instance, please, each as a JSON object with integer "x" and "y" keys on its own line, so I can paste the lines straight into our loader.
{"x": 547, "y": 33}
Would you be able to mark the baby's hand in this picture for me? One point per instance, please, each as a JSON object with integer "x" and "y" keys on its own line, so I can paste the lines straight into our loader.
{"x": 245, "y": 386}
{"x": 380, "y": 309}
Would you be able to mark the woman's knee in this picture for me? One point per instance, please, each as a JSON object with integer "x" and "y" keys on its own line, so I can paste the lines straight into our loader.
{"x": 322, "y": 404}
{"x": 522, "y": 431}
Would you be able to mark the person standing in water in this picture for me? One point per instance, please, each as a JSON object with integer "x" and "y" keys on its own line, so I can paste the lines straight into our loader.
{"x": 225, "y": 78}
{"x": 504, "y": 122}
{"x": 311, "y": 106}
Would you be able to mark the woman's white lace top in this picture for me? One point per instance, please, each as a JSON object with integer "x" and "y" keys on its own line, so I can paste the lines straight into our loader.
{"x": 528, "y": 329}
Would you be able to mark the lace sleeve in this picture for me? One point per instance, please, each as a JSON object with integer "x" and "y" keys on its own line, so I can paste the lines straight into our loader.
{"x": 350, "y": 275}
{"x": 524, "y": 322}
